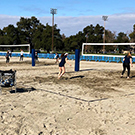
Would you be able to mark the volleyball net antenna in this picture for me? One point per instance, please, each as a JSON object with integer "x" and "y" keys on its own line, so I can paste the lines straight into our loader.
{"x": 15, "y": 48}
{"x": 90, "y": 49}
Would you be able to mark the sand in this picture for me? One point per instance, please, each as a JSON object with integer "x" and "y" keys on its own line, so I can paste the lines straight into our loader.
{"x": 93, "y": 101}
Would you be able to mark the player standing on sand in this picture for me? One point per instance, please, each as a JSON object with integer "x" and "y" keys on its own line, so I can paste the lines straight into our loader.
{"x": 21, "y": 55}
{"x": 61, "y": 65}
{"x": 7, "y": 57}
{"x": 36, "y": 56}
{"x": 57, "y": 58}
{"x": 126, "y": 64}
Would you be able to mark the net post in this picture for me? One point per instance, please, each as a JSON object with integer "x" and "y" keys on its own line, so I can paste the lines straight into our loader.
{"x": 33, "y": 57}
{"x": 77, "y": 59}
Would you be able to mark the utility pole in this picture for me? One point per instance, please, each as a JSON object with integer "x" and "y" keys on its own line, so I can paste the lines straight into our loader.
{"x": 105, "y": 19}
{"x": 53, "y": 11}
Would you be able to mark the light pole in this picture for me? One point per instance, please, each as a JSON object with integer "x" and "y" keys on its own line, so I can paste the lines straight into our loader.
{"x": 105, "y": 19}
{"x": 53, "y": 11}
{"x": 86, "y": 41}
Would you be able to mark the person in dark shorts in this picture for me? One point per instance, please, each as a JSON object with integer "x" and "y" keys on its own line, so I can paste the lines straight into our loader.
{"x": 126, "y": 64}
{"x": 62, "y": 65}
{"x": 7, "y": 57}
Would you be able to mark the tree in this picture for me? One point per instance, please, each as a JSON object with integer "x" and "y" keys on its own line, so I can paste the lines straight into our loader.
{"x": 98, "y": 32}
{"x": 89, "y": 33}
{"x": 66, "y": 46}
{"x": 122, "y": 38}
{"x": 37, "y": 38}
{"x": 58, "y": 43}
{"x": 132, "y": 34}
{"x": 11, "y": 34}
{"x": 27, "y": 28}
{"x": 110, "y": 38}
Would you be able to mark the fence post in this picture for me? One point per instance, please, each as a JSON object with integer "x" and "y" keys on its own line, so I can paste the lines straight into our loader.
{"x": 77, "y": 59}
{"x": 33, "y": 57}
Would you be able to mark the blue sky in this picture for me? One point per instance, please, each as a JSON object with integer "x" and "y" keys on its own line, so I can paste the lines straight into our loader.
{"x": 66, "y": 7}
{"x": 72, "y": 15}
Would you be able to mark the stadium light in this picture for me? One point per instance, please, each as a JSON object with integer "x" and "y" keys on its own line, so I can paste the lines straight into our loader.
{"x": 105, "y": 19}
{"x": 53, "y": 11}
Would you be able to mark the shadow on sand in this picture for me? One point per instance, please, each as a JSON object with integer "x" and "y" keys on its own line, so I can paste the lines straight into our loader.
{"x": 86, "y": 70}
{"x": 133, "y": 76}
{"x": 79, "y": 76}
{"x": 80, "y": 70}
{"x": 21, "y": 90}
{"x": 75, "y": 71}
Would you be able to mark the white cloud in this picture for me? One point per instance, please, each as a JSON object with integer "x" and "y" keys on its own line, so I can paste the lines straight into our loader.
{"x": 5, "y": 20}
{"x": 72, "y": 25}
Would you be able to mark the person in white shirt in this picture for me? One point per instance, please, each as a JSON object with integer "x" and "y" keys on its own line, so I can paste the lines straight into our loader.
{"x": 10, "y": 53}
{"x": 21, "y": 55}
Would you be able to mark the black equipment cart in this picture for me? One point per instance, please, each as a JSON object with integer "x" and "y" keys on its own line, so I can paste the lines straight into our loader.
{"x": 7, "y": 79}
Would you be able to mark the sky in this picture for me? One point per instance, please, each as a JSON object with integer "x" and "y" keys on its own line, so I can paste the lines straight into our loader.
{"x": 72, "y": 15}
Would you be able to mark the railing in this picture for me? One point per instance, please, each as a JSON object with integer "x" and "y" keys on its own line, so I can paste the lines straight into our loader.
{"x": 107, "y": 58}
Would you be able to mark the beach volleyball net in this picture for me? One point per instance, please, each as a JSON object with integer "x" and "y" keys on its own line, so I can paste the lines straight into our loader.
{"x": 89, "y": 49}
{"x": 15, "y": 48}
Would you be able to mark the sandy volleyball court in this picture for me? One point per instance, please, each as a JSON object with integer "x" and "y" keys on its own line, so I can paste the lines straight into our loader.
{"x": 93, "y": 101}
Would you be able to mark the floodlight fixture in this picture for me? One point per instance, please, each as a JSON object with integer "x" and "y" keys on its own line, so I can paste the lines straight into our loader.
{"x": 53, "y": 11}
{"x": 104, "y": 18}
